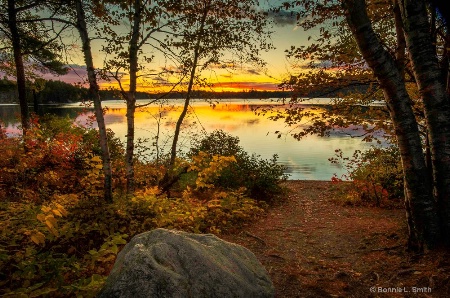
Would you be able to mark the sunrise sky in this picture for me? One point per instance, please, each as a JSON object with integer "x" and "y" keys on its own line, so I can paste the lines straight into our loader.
{"x": 243, "y": 77}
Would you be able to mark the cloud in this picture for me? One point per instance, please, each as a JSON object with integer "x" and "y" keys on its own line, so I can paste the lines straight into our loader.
{"x": 283, "y": 18}
{"x": 319, "y": 64}
{"x": 77, "y": 74}
{"x": 253, "y": 71}
{"x": 169, "y": 69}
{"x": 250, "y": 71}
{"x": 239, "y": 86}
{"x": 160, "y": 80}
{"x": 224, "y": 65}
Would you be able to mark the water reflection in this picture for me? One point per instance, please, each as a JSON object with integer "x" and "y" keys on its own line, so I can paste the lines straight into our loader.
{"x": 306, "y": 159}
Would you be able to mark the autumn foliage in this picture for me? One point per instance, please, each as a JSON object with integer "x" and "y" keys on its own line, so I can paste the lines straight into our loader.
{"x": 60, "y": 238}
{"x": 374, "y": 177}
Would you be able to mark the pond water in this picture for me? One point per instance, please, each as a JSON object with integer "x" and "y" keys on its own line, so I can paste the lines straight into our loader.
{"x": 306, "y": 159}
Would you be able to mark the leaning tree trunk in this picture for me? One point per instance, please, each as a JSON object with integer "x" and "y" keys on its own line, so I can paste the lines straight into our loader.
{"x": 169, "y": 179}
{"x": 20, "y": 69}
{"x": 418, "y": 188}
{"x": 432, "y": 88}
{"x": 95, "y": 97}
{"x": 190, "y": 86}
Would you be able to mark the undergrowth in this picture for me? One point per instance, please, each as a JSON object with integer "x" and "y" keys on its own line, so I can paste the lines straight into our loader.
{"x": 59, "y": 238}
{"x": 373, "y": 177}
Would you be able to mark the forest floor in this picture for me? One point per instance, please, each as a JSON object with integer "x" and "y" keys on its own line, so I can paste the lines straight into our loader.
{"x": 313, "y": 246}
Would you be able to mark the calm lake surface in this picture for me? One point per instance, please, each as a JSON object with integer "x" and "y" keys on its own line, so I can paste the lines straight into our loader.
{"x": 306, "y": 159}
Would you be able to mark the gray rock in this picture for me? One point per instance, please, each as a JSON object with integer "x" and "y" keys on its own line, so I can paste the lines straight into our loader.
{"x": 167, "y": 263}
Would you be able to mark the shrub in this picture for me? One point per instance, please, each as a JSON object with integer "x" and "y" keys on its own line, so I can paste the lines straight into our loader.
{"x": 217, "y": 143}
{"x": 47, "y": 166}
{"x": 260, "y": 177}
{"x": 59, "y": 159}
{"x": 115, "y": 145}
{"x": 376, "y": 175}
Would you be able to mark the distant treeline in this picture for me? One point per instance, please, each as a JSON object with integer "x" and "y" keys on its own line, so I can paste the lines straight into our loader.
{"x": 42, "y": 91}
{"x": 47, "y": 92}
{"x": 251, "y": 94}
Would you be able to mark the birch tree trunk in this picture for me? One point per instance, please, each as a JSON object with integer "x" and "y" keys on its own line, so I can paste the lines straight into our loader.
{"x": 423, "y": 219}
{"x": 95, "y": 97}
{"x": 432, "y": 88}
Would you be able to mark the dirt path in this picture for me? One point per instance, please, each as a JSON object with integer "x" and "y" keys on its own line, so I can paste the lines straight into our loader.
{"x": 314, "y": 247}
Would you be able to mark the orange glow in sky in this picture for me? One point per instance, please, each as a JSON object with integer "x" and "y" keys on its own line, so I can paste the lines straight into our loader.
{"x": 218, "y": 87}
{"x": 222, "y": 77}
{"x": 237, "y": 83}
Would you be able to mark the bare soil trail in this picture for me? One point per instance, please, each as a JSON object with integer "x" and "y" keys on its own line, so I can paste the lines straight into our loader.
{"x": 314, "y": 247}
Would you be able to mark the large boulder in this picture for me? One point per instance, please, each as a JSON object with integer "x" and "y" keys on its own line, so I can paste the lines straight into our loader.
{"x": 167, "y": 263}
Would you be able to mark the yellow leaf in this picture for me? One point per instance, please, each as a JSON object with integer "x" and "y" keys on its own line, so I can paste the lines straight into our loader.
{"x": 46, "y": 209}
{"x": 57, "y": 212}
{"x": 49, "y": 224}
{"x": 50, "y": 221}
{"x": 53, "y": 231}
{"x": 58, "y": 205}
{"x": 61, "y": 209}
{"x": 96, "y": 159}
{"x": 38, "y": 238}
{"x": 41, "y": 217}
